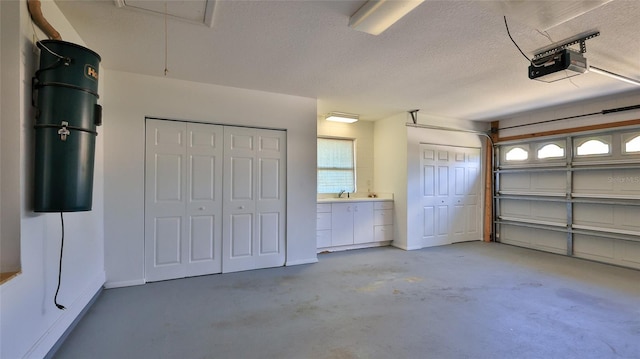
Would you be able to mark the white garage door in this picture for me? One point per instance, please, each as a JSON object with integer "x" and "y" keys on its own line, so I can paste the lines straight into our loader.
{"x": 577, "y": 195}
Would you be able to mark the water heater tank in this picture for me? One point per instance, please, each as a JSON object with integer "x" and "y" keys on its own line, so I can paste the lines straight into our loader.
{"x": 67, "y": 114}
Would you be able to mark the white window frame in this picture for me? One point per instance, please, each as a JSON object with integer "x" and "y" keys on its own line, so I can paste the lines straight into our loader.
{"x": 560, "y": 144}
{"x": 353, "y": 187}
{"x": 627, "y": 137}
{"x": 524, "y": 147}
{"x": 582, "y": 140}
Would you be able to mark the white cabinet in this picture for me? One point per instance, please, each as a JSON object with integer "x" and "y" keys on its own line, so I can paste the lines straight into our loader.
{"x": 342, "y": 221}
{"x": 323, "y": 225}
{"x": 383, "y": 221}
{"x": 352, "y": 224}
{"x": 363, "y": 223}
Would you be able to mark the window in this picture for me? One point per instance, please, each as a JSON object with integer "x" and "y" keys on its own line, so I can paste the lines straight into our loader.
{"x": 516, "y": 154}
{"x": 550, "y": 150}
{"x": 593, "y": 147}
{"x": 336, "y": 165}
{"x": 633, "y": 145}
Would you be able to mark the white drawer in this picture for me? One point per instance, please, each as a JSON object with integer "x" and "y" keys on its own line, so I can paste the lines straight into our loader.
{"x": 383, "y": 217}
{"x": 323, "y": 238}
{"x": 323, "y": 221}
{"x": 383, "y": 205}
{"x": 323, "y": 207}
{"x": 383, "y": 233}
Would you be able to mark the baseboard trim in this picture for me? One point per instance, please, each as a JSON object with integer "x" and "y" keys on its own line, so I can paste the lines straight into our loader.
{"x": 405, "y": 247}
{"x": 67, "y": 320}
{"x": 302, "y": 261}
{"x": 124, "y": 283}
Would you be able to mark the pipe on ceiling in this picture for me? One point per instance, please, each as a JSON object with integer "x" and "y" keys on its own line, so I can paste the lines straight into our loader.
{"x": 35, "y": 10}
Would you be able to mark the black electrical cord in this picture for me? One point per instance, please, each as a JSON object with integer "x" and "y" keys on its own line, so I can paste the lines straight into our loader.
{"x": 518, "y": 47}
{"x": 55, "y": 298}
{"x": 603, "y": 112}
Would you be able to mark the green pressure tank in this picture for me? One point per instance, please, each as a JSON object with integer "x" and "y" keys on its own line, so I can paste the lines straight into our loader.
{"x": 67, "y": 114}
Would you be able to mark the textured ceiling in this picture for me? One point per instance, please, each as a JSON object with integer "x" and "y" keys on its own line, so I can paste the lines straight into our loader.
{"x": 450, "y": 59}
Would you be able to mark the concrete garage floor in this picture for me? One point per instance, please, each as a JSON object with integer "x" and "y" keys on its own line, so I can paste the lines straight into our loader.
{"x": 470, "y": 300}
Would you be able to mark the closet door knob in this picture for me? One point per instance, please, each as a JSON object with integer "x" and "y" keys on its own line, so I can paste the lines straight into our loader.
{"x": 201, "y": 208}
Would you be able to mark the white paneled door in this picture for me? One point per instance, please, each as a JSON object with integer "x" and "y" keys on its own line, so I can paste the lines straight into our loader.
{"x": 254, "y": 202}
{"x": 184, "y": 200}
{"x": 450, "y": 179}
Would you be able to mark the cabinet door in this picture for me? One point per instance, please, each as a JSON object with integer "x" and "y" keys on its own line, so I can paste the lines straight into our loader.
{"x": 363, "y": 222}
{"x": 342, "y": 224}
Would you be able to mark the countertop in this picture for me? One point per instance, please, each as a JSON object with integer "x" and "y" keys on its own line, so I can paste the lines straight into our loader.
{"x": 353, "y": 199}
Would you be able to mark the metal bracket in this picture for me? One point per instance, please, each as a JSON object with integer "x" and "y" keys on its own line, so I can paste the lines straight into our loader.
{"x": 64, "y": 132}
{"x": 564, "y": 44}
{"x": 414, "y": 116}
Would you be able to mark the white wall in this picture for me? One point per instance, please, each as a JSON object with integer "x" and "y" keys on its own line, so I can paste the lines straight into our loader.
{"x": 397, "y": 165}
{"x": 576, "y": 109}
{"x": 130, "y": 98}
{"x": 415, "y": 137}
{"x": 362, "y": 132}
{"x": 9, "y": 138}
{"x": 390, "y": 170}
{"x": 30, "y": 323}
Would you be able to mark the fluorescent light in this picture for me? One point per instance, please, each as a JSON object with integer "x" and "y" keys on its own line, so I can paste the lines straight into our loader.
{"x": 375, "y": 16}
{"x": 342, "y": 117}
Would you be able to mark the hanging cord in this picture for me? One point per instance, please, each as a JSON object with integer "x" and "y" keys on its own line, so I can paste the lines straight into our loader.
{"x": 55, "y": 298}
{"x": 166, "y": 40}
{"x": 518, "y": 47}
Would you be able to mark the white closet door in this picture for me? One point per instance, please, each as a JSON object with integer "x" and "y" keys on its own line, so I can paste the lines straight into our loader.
{"x": 450, "y": 179}
{"x": 183, "y": 199}
{"x": 204, "y": 199}
{"x": 254, "y": 199}
{"x": 165, "y": 200}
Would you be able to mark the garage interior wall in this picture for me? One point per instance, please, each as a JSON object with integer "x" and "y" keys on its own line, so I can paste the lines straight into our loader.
{"x": 132, "y": 97}
{"x": 397, "y": 166}
{"x": 30, "y": 323}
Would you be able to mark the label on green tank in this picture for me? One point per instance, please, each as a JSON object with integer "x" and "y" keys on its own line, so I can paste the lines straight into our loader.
{"x": 91, "y": 72}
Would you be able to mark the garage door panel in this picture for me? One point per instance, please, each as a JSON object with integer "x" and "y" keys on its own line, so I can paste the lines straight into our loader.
{"x": 629, "y": 254}
{"x": 515, "y": 208}
{"x": 607, "y": 250}
{"x": 627, "y": 181}
{"x": 549, "y": 211}
{"x": 593, "y": 182}
{"x": 554, "y": 212}
{"x": 515, "y": 181}
{"x": 623, "y": 219}
{"x": 596, "y": 248}
{"x": 549, "y": 182}
{"x": 593, "y": 214}
{"x": 629, "y": 217}
{"x": 547, "y": 240}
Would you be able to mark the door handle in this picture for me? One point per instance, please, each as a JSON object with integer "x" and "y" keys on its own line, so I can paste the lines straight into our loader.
{"x": 201, "y": 208}
{"x": 241, "y": 207}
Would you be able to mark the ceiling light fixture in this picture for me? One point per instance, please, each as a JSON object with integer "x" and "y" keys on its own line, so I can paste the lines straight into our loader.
{"x": 375, "y": 16}
{"x": 342, "y": 117}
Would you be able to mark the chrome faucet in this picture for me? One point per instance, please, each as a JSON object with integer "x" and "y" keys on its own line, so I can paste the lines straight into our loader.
{"x": 340, "y": 194}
